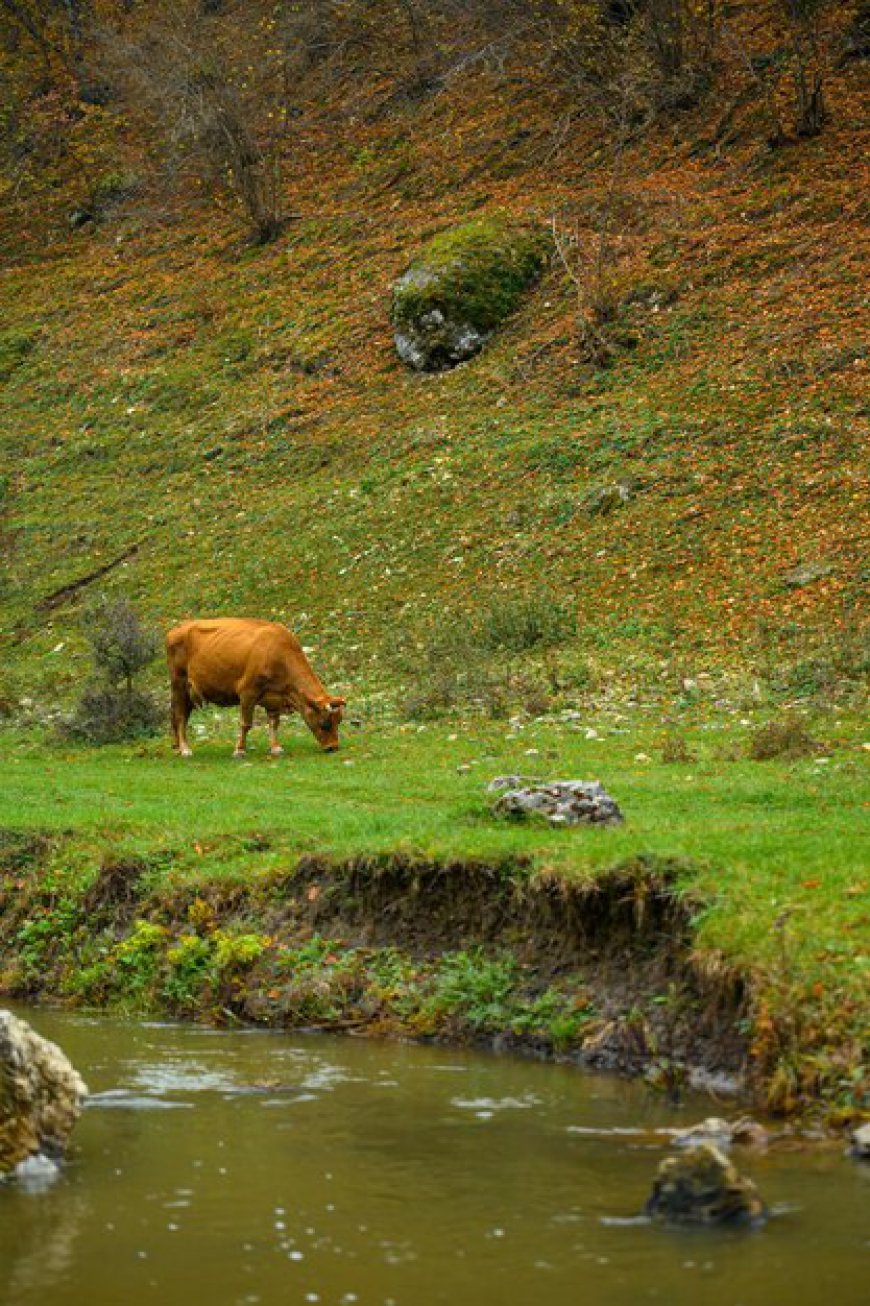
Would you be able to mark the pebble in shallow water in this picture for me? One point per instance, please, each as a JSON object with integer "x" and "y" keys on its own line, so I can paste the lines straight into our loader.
{"x": 859, "y": 1143}
{"x": 723, "y": 1133}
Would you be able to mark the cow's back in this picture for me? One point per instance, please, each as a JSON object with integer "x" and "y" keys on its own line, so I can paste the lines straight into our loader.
{"x": 215, "y": 655}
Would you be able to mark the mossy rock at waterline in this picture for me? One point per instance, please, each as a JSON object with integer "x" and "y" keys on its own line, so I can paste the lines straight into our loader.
{"x": 462, "y": 287}
{"x": 41, "y": 1095}
{"x": 701, "y": 1186}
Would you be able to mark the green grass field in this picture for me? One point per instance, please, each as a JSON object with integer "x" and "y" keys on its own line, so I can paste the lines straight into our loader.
{"x": 762, "y": 839}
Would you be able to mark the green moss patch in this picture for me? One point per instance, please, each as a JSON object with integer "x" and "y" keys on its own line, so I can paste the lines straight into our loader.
{"x": 463, "y": 286}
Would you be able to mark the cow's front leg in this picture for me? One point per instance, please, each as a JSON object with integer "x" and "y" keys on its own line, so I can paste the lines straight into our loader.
{"x": 247, "y": 703}
{"x": 275, "y": 748}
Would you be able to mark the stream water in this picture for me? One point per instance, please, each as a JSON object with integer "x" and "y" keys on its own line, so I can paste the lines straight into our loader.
{"x": 249, "y": 1167}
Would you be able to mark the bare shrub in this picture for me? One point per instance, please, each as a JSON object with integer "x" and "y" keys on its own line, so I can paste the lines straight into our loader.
{"x": 535, "y": 697}
{"x": 120, "y": 644}
{"x": 588, "y": 262}
{"x": 505, "y": 656}
{"x": 450, "y": 672}
{"x": 826, "y": 667}
{"x": 455, "y": 685}
{"x": 676, "y": 750}
{"x": 856, "y": 38}
{"x": 107, "y": 715}
{"x": 789, "y": 79}
{"x": 634, "y": 61}
{"x": 802, "y": 19}
{"x": 525, "y": 623}
{"x": 402, "y": 38}
{"x": 111, "y": 708}
{"x": 217, "y": 103}
{"x": 785, "y": 737}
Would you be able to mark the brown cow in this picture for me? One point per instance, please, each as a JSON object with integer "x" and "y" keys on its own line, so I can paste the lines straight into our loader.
{"x": 234, "y": 660}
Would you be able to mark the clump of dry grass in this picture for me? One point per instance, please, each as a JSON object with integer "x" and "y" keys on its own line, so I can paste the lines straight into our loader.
{"x": 785, "y": 737}
{"x": 675, "y": 749}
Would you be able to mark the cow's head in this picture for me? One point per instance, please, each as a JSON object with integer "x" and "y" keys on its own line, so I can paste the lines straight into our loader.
{"x": 323, "y": 717}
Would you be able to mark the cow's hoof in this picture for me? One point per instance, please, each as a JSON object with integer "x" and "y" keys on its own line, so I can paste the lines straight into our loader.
{"x": 277, "y": 751}
{"x": 185, "y": 752}
{"x": 240, "y": 753}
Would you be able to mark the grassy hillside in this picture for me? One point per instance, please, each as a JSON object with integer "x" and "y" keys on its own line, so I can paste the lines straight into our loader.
{"x": 227, "y": 429}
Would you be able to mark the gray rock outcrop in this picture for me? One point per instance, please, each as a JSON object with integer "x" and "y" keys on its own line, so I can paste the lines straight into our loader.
{"x": 701, "y": 1186}
{"x": 606, "y": 499}
{"x": 41, "y": 1095}
{"x": 806, "y": 573}
{"x": 434, "y": 340}
{"x": 559, "y": 802}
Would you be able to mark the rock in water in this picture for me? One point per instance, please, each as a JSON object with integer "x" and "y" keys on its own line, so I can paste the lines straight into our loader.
{"x": 701, "y": 1186}
{"x": 723, "y": 1133}
{"x": 712, "y": 1130}
{"x": 859, "y": 1143}
{"x": 559, "y": 802}
{"x": 41, "y": 1095}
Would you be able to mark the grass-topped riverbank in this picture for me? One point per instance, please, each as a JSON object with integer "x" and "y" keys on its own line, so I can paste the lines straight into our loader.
{"x": 769, "y": 859}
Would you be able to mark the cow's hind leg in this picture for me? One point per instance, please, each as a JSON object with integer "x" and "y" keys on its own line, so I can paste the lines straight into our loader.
{"x": 247, "y": 703}
{"x": 274, "y": 747}
{"x": 182, "y": 706}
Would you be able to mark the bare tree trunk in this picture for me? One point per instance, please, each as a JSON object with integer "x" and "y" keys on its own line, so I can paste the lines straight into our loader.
{"x": 666, "y": 29}
{"x": 422, "y": 40}
{"x": 811, "y": 112}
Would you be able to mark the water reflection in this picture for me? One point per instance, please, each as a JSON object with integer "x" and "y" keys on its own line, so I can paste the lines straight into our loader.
{"x": 47, "y": 1228}
{"x": 243, "y": 1168}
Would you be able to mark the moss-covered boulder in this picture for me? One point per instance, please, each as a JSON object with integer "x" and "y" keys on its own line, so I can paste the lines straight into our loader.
{"x": 462, "y": 288}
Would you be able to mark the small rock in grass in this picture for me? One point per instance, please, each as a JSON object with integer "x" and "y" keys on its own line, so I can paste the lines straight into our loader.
{"x": 806, "y": 573}
{"x": 701, "y": 1186}
{"x": 559, "y": 802}
{"x": 603, "y": 500}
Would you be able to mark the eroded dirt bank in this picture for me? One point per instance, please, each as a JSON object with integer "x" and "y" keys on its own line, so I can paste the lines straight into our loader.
{"x": 601, "y": 971}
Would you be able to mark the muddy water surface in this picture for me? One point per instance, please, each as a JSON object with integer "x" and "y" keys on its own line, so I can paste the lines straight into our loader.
{"x": 250, "y": 1167}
